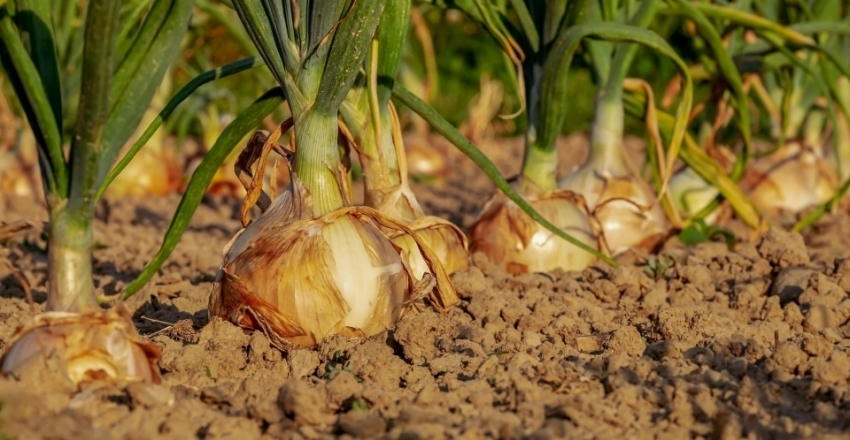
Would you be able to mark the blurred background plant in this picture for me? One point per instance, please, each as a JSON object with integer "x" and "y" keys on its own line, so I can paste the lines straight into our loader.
{"x": 214, "y": 38}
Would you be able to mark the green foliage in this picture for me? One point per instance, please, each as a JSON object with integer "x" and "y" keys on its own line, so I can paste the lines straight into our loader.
{"x": 470, "y": 150}
{"x": 700, "y": 232}
{"x": 246, "y": 122}
{"x": 656, "y": 267}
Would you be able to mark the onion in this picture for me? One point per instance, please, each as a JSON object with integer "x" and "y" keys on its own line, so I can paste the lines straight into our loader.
{"x": 518, "y": 244}
{"x": 691, "y": 193}
{"x": 619, "y": 200}
{"x": 95, "y": 345}
{"x": 300, "y": 279}
{"x": 388, "y": 191}
{"x": 793, "y": 178}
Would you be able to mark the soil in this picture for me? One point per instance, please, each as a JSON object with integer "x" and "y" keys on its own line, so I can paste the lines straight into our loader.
{"x": 699, "y": 342}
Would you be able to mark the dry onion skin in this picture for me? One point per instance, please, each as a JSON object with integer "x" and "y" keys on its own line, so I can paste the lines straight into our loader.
{"x": 623, "y": 204}
{"x": 300, "y": 279}
{"x": 95, "y": 345}
{"x": 397, "y": 201}
{"x": 518, "y": 244}
{"x": 793, "y": 178}
{"x": 447, "y": 241}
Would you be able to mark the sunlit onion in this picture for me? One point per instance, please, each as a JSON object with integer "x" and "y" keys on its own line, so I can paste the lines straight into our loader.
{"x": 300, "y": 279}
{"x": 518, "y": 244}
{"x": 96, "y": 345}
{"x": 793, "y": 178}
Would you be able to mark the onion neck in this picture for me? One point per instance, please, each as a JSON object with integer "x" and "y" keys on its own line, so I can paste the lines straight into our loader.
{"x": 540, "y": 162}
{"x": 70, "y": 285}
{"x": 317, "y": 159}
{"x": 606, "y": 139}
{"x": 382, "y": 171}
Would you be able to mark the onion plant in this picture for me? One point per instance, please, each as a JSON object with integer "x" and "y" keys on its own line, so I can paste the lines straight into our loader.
{"x": 313, "y": 265}
{"x": 121, "y": 69}
{"x": 795, "y": 175}
{"x": 542, "y": 40}
{"x": 783, "y": 70}
{"x": 619, "y": 199}
{"x": 380, "y": 146}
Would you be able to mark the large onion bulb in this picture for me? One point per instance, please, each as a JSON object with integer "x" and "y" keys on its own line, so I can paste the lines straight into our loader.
{"x": 512, "y": 240}
{"x": 300, "y": 279}
{"x": 92, "y": 346}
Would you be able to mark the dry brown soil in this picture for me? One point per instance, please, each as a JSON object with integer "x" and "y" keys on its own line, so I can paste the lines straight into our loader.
{"x": 748, "y": 343}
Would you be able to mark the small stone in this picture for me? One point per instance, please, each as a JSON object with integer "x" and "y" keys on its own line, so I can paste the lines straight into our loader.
{"x": 790, "y": 283}
{"x": 737, "y": 366}
{"x": 150, "y": 396}
{"x": 817, "y": 319}
{"x": 588, "y": 344}
{"x": 364, "y": 424}
{"x": 532, "y": 339}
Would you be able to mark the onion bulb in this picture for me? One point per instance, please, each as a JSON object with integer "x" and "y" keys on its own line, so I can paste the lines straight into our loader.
{"x": 300, "y": 279}
{"x": 424, "y": 157}
{"x": 691, "y": 193}
{"x": 154, "y": 171}
{"x": 95, "y": 345}
{"x": 518, "y": 244}
{"x": 622, "y": 203}
{"x": 793, "y": 178}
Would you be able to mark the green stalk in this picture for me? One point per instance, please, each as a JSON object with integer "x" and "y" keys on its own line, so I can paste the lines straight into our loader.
{"x": 606, "y": 149}
{"x": 540, "y": 160}
{"x": 317, "y": 159}
{"x": 69, "y": 249}
{"x": 373, "y": 126}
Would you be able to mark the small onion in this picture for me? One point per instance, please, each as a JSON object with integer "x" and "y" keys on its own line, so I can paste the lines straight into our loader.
{"x": 623, "y": 205}
{"x": 512, "y": 240}
{"x": 92, "y": 346}
{"x": 793, "y": 178}
{"x": 619, "y": 200}
{"x": 153, "y": 172}
{"x": 445, "y": 239}
{"x": 387, "y": 189}
{"x": 19, "y": 169}
{"x": 691, "y": 193}
{"x": 424, "y": 159}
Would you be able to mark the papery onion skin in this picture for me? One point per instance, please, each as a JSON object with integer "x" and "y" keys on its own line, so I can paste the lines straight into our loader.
{"x": 301, "y": 279}
{"x": 623, "y": 205}
{"x": 512, "y": 240}
{"x": 791, "y": 179}
{"x": 92, "y": 346}
{"x": 444, "y": 238}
